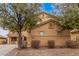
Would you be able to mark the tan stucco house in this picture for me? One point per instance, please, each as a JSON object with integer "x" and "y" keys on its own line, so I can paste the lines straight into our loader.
{"x": 46, "y": 29}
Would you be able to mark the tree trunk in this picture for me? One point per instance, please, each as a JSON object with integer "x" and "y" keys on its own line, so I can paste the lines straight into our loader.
{"x": 19, "y": 40}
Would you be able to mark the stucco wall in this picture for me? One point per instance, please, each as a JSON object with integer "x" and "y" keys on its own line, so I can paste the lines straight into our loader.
{"x": 29, "y": 38}
{"x": 50, "y": 34}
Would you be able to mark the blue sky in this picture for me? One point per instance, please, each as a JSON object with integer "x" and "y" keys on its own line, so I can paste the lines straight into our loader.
{"x": 50, "y": 8}
{"x": 47, "y": 7}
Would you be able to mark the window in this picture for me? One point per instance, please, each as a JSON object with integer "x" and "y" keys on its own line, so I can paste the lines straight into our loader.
{"x": 42, "y": 33}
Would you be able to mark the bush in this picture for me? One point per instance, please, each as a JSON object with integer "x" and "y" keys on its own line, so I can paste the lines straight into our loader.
{"x": 35, "y": 44}
{"x": 51, "y": 44}
{"x": 71, "y": 44}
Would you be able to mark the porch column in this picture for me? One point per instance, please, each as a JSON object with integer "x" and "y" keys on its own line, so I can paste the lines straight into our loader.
{"x": 9, "y": 40}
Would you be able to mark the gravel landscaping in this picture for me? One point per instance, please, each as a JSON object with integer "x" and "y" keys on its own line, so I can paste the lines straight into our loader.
{"x": 44, "y": 52}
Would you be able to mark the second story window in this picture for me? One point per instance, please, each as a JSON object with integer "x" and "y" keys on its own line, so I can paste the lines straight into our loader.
{"x": 42, "y": 33}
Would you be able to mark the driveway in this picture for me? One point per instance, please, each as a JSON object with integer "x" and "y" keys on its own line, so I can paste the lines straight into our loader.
{"x": 4, "y": 49}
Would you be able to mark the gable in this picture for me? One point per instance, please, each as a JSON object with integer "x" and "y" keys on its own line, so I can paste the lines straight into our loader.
{"x": 45, "y": 17}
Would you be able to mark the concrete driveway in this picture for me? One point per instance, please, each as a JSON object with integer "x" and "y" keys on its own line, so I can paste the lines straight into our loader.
{"x": 4, "y": 49}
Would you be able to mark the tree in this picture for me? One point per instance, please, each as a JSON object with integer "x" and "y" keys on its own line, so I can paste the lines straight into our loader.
{"x": 18, "y": 18}
{"x": 69, "y": 17}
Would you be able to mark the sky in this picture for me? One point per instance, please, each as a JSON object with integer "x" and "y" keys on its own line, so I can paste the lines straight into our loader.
{"x": 47, "y": 7}
{"x": 50, "y": 8}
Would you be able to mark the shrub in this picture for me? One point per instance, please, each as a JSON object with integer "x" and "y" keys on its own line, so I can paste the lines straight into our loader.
{"x": 71, "y": 44}
{"x": 35, "y": 44}
{"x": 51, "y": 44}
